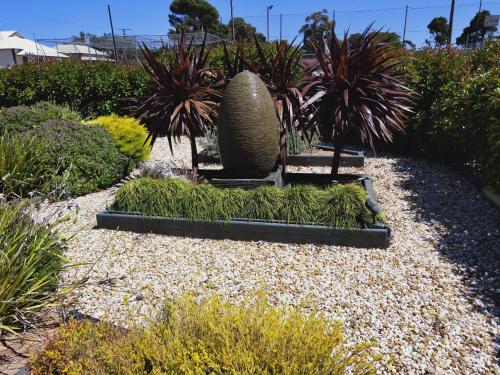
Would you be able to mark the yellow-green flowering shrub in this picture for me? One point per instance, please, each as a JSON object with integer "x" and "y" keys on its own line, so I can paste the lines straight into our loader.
{"x": 128, "y": 133}
{"x": 210, "y": 337}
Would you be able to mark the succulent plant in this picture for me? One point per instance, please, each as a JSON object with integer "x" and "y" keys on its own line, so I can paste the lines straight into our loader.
{"x": 247, "y": 128}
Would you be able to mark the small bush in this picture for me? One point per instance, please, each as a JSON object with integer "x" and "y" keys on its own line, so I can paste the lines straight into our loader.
{"x": 128, "y": 133}
{"x": 338, "y": 205}
{"x": 22, "y": 165}
{"x": 211, "y": 337}
{"x": 22, "y": 118}
{"x": 30, "y": 261}
{"x": 79, "y": 159}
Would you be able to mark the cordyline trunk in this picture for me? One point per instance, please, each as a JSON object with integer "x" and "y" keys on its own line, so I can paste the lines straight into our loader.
{"x": 194, "y": 152}
{"x": 339, "y": 145}
{"x": 283, "y": 148}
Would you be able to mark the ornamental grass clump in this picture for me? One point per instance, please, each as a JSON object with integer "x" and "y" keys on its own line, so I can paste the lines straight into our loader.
{"x": 30, "y": 261}
{"x": 210, "y": 337}
{"x": 335, "y": 206}
{"x": 130, "y": 135}
{"x": 22, "y": 166}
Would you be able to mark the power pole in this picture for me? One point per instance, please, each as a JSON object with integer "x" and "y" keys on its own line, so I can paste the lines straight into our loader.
{"x": 281, "y": 26}
{"x": 232, "y": 19}
{"x": 124, "y": 31}
{"x": 269, "y": 7}
{"x": 480, "y": 5}
{"x": 112, "y": 32}
{"x": 452, "y": 13}
{"x": 404, "y": 30}
{"x": 333, "y": 21}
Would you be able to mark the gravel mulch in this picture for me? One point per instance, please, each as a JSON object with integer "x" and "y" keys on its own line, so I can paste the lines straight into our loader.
{"x": 428, "y": 300}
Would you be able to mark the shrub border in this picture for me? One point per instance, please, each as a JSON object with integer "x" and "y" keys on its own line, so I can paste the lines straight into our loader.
{"x": 252, "y": 230}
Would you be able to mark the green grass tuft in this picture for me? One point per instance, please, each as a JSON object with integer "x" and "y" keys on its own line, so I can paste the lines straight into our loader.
{"x": 336, "y": 206}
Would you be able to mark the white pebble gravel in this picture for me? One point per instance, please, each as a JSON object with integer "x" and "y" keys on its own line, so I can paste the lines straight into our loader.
{"x": 428, "y": 300}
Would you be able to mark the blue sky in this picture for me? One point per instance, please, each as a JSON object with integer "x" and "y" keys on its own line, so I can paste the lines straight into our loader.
{"x": 64, "y": 18}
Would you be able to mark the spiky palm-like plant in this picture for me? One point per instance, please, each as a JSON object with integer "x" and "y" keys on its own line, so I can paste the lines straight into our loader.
{"x": 184, "y": 95}
{"x": 354, "y": 88}
{"x": 282, "y": 75}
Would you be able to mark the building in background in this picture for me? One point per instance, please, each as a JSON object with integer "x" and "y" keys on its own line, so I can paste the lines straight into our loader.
{"x": 16, "y": 50}
{"x": 82, "y": 52}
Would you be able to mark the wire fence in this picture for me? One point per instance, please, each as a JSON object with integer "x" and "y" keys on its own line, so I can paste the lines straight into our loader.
{"x": 127, "y": 46}
{"x": 286, "y": 26}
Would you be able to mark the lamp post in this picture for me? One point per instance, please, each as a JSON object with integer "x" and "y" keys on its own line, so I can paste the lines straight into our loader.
{"x": 232, "y": 19}
{"x": 269, "y": 7}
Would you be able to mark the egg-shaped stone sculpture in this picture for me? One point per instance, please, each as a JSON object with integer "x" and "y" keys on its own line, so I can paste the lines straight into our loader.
{"x": 247, "y": 128}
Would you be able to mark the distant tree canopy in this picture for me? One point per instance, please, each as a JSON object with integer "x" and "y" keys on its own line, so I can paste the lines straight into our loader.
{"x": 390, "y": 37}
{"x": 316, "y": 24}
{"x": 438, "y": 28}
{"x": 193, "y": 15}
{"x": 243, "y": 31}
{"x": 476, "y": 31}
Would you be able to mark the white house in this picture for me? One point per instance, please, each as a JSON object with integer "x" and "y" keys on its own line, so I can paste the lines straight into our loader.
{"x": 82, "y": 52}
{"x": 15, "y": 50}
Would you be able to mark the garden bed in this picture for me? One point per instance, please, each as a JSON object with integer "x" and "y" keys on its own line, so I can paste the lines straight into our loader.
{"x": 254, "y": 229}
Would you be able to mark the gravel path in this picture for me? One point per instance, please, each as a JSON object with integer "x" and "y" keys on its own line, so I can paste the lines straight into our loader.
{"x": 428, "y": 300}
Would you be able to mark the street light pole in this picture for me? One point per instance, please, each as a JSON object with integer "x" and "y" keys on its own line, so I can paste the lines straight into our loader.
{"x": 232, "y": 19}
{"x": 452, "y": 13}
{"x": 269, "y": 7}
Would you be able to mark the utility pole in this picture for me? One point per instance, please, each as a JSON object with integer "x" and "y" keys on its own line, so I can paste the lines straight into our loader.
{"x": 269, "y": 7}
{"x": 404, "y": 30}
{"x": 480, "y": 5}
{"x": 281, "y": 26}
{"x": 124, "y": 31}
{"x": 112, "y": 33}
{"x": 452, "y": 13}
{"x": 232, "y": 19}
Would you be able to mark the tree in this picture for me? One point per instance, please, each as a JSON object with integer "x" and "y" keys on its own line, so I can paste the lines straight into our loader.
{"x": 193, "y": 15}
{"x": 244, "y": 31}
{"x": 438, "y": 28}
{"x": 355, "y": 88}
{"x": 316, "y": 25}
{"x": 476, "y": 31}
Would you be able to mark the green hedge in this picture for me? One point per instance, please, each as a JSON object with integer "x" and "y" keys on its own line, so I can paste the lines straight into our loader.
{"x": 337, "y": 206}
{"x": 92, "y": 89}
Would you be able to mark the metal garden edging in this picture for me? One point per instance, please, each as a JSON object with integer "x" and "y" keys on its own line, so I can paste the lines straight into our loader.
{"x": 253, "y": 230}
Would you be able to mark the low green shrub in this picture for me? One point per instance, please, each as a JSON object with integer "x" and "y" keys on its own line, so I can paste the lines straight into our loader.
{"x": 210, "y": 337}
{"x": 22, "y": 166}
{"x": 79, "y": 159}
{"x": 30, "y": 261}
{"x": 22, "y": 118}
{"x": 128, "y": 133}
{"x": 337, "y": 205}
{"x": 93, "y": 89}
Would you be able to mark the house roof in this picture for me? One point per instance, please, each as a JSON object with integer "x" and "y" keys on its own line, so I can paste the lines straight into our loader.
{"x": 25, "y": 47}
{"x": 79, "y": 49}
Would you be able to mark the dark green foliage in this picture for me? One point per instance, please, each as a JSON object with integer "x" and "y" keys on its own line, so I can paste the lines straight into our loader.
{"x": 438, "y": 28}
{"x": 193, "y": 15}
{"x": 338, "y": 205}
{"x": 22, "y": 165}
{"x": 22, "y": 118}
{"x": 79, "y": 158}
{"x": 92, "y": 89}
{"x": 29, "y": 265}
